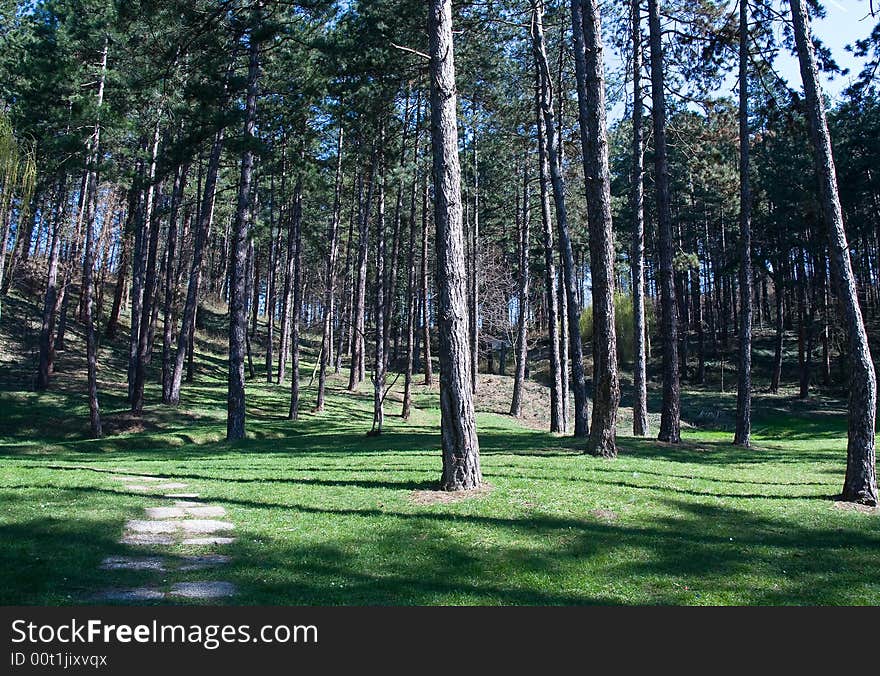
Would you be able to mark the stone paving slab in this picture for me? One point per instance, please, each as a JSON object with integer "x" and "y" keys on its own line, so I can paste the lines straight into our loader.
{"x": 204, "y": 561}
{"x": 203, "y": 590}
{"x": 165, "y": 512}
{"x": 141, "y": 478}
{"x": 136, "y": 487}
{"x": 133, "y": 594}
{"x": 147, "y": 539}
{"x": 207, "y": 541}
{"x": 170, "y": 486}
{"x": 156, "y": 563}
{"x": 204, "y": 510}
{"x": 184, "y": 496}
{"x": 143, "y": 526}
{"x": 204, "y": 526}
{"x": 200, "y": 526}
{"x": 181, "y": 510}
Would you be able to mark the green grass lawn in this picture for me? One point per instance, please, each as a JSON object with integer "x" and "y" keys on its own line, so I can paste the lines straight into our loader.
{"x": 326, "y": 515}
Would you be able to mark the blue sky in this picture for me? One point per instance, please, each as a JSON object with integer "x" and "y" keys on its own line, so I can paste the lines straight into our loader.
{"x": 846, "y": 21}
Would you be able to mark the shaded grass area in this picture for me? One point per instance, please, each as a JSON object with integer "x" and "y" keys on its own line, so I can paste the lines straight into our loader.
{"x": 326, "y": 515}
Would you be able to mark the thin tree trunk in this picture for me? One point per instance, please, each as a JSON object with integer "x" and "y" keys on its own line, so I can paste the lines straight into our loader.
{"x": 380, "y": 307}
{"x": 426, "y": 317}
{"x": 742, "y": 437}
{"x": 357, "y": 333}
{"x": 170, "y": 283}
{"x": 412, "y": 299}
{"x": 151, "y": 224}
{"x": 458, "y": 429}
{"x": 121, "y": 270}
{"x": 522, "y": 348}
{"x": 186, "y": 335}
{"x": 670, "y": 417}
{"x": 293, "y": 412}
{"x": 91, "y": 210}
{"x": 637, "y": 256}
{"x": 235, "y": 406}
{"x": 780, "y": 332}
{"x": 557, "y": 395}
{"x": 579, "y": 387}
{"x": 47, "y": 330}
{"x": 330, "y": 276}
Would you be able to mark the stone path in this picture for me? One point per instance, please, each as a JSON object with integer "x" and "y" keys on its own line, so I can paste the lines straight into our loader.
{"x": 182, "y": 520}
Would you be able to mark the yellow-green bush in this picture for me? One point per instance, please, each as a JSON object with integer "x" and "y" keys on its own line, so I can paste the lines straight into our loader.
{"x": 623, "y": 324}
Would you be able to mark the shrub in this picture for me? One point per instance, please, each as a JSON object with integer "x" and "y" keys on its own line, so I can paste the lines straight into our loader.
{"x": 623, "y": 324}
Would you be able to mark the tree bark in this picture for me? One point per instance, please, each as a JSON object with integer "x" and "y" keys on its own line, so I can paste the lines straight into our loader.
{"x": 670, "y": 417}
{"x": 637, "y": 256}
{"x": 426, "y": 317}
{"x": 522, "y": 348}
{"x": 458, "y": 429}
{"x": 91, "y": 211}
{"x": 860, "y": 484}
{"x": 47, "y": 330}
{"x": 151, "y": 225}
{"x": 380, "y": 306}
{"x": 235, "y": 405}
{"x": 171, "y": 283}
{"x": 358, "y": 308}
{"x": 594, "y": 143}
{"x": 293, "y": 412}
{"x": 742, "y": 436}
{"x": 557, "y": 395}
{"x": 186, "y": 335}
{"x": 330, "y": 276}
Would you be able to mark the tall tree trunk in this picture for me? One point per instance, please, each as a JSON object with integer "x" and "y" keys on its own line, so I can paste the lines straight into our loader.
{"x": 780, "y": 332}
{"x": 475, "y": 267}
{"x": 380, "y": 307}
{"x": 293, "y": 412}
{"x": 594, "y": 143}
{"x": 344, "y": 327}
{"x": 670, "y": 417}
{"x": 458, "y": 427}
{"x": 47, "y": 330}
{"x": 426, "y": 317}
{"x": 91, "y": 212}
{"x": 122, "y": 269}
{"x": 171, "y": 283}
{"x": 357, "y": 333}
{"x": 330, "y": 276}
{"x": 287, "y": 293}
{"x": 235, "y": 404}
{"x": 860, "y": 484}
{"x": 186, "y": 335}
{"x": 151, "y": 225}
{"x": 579, "y": 387}
{"x": 557, "y": 395}
{"x": 271, "y": 291}
{"x": 412, "y": 299}
{"x": 742, "y": 437}
{"x": 637, "y": 256}
{"x": 522, "y": 347}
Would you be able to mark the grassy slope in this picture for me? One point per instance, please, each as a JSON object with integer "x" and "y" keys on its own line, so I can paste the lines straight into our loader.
{"x": 326, "y": 515}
